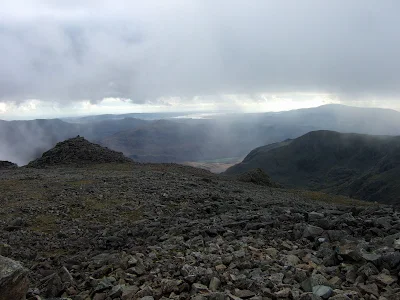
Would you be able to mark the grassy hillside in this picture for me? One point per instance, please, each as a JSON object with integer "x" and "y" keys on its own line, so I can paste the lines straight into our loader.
{"x": 361, "y": 166}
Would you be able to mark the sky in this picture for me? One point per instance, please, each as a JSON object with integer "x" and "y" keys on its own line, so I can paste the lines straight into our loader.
{"x": 65, "y": 58}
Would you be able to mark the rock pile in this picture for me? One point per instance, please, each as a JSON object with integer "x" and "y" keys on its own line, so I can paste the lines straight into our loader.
{"x": 4, "y": 165}
{"x": 257, "y": 176}
{"x": 77, "y": 151}
{"x": 169, "y": 232}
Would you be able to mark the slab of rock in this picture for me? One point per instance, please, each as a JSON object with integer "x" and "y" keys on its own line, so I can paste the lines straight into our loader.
{"x": 323, "y": 291}
{"x": 312, "y": 231}
{"x": 370, "y": 289}
{"x": 128, "y": 292}
{"x": 313, "y": 216}
{"x": 386, "y": 279}
{"x": 214, "y": 284}
{"x": 291, "y": 260}
{"x": 199, "y": 288}
{"x": 13, "y": 280}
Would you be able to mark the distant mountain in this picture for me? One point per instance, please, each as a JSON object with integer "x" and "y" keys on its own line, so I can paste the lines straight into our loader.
{"x": 227, "y": 137}
{"x": 168, "y": 141}
{"x": 234, "y": 135}
{"x": 361, "y": 166}
{"x": 97, "y": 130}
{"x": 114, "y": 117}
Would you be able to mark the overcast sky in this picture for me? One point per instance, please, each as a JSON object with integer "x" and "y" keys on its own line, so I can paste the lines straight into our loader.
{"x": 66, "y": 57}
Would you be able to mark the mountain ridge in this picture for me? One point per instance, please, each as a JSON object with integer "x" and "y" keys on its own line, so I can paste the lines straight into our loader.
{"x": 217, "y": 138}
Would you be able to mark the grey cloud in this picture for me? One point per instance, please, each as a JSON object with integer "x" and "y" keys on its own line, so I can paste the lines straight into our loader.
{"x": 66, "y": 50}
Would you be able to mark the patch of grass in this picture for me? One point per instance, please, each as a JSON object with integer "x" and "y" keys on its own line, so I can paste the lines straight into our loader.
{"x": 53, "y": 253}
{"x": 178, "y": 205}
{"x": 25, "y": 189}
{"x": 79, "y": 182}
{"x": 114, "y": 166}
{"x": 10, "y": 185}
{"x": 101, "y": 210}
{"x": 44, "y": 223}
{"x": 333, "y": 199}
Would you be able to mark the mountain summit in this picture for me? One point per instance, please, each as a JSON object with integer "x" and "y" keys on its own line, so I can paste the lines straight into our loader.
{"x": 78, "y": 151}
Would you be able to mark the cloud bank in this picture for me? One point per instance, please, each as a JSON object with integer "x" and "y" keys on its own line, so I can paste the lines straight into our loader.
{"x": 65, "y": 51}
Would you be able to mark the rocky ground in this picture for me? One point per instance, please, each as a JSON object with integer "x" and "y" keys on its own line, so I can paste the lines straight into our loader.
{"x": 131, "y": 231}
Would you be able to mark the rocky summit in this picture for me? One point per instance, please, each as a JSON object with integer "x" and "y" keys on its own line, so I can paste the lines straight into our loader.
{"x": 7, "y": 165}
{"x": 77, "y": 151}
{"x": 150, "y": 231}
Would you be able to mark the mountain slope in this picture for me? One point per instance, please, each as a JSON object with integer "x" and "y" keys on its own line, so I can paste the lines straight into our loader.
{"x": 361, "y": 166}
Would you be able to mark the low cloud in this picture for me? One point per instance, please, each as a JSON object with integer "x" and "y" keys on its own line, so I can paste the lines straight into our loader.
{"x": 91, "y": 50}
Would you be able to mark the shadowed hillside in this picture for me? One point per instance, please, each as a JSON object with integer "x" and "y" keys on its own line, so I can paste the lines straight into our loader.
{"x": 361, "y": 166}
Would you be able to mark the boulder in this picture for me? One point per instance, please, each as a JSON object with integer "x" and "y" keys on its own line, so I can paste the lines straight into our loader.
{"x": 13, "y": 280}
{"x": 312, "y": 232}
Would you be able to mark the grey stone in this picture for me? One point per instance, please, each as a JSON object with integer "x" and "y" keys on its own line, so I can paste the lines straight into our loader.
{"x": 116, "y": 291}
{"x": 323, "y": 291}
{"x": 128, "y": 292}
{"x": 370, "y": 288}
{"x": 104, "y": 284}
{"x": 5, "y": 249}
{"x": 13, "y": 280}
{"x": 312, "y": 231}
{"x": 291, "y": 260}
{"x": 170, "y": 285}
{"x": 52, "y": 285}
{"x": 244, "y": 294}
{"x": 312, "y": 216}
{"x": 214, "y": 284}
{"x": 199, "y": 288}
{"x": 386, "y": 279}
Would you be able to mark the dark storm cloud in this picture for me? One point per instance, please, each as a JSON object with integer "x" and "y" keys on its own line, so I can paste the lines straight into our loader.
{"x": 74, "y": 50}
